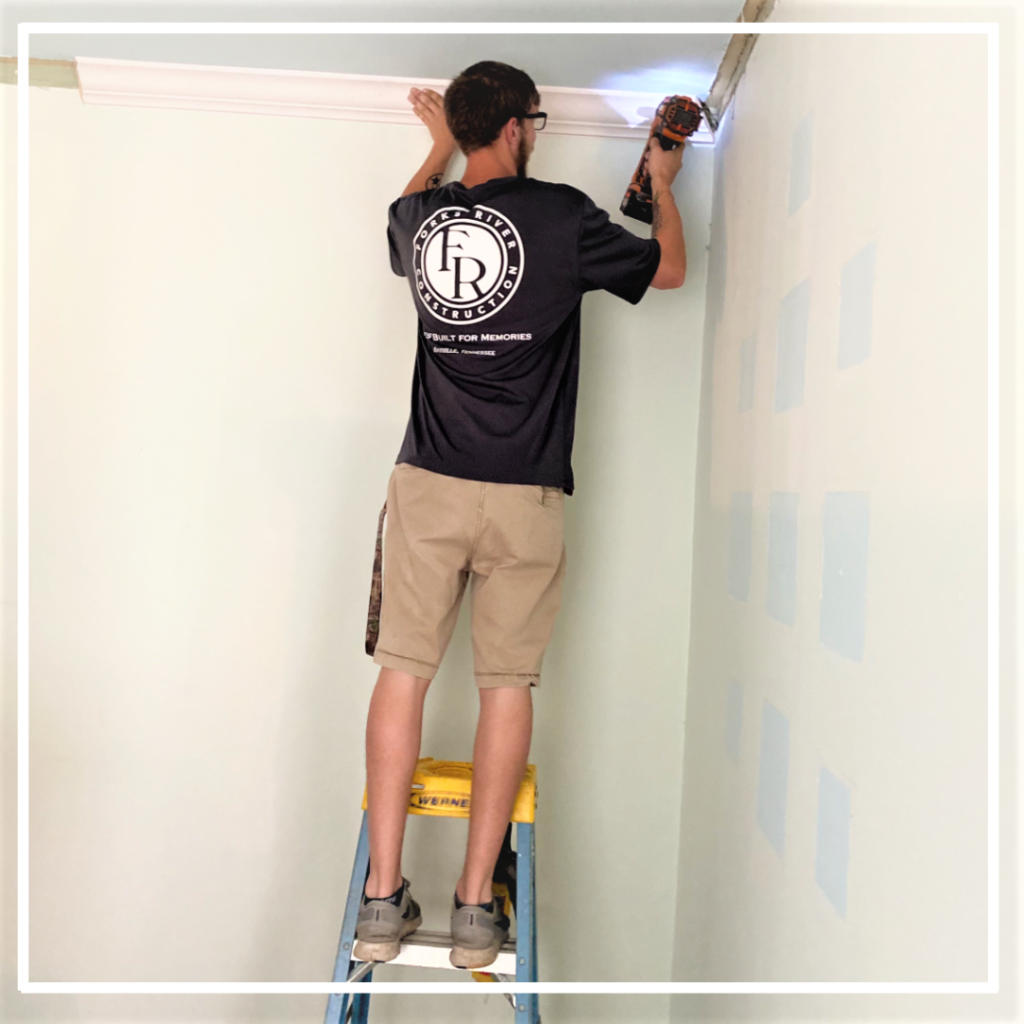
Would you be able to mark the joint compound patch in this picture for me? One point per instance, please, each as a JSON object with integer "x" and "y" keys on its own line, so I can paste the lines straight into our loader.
{"x": 467, "y": 262}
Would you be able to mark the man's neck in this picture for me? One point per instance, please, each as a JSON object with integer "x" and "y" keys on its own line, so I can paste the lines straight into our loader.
{"x": 483, "y": 165}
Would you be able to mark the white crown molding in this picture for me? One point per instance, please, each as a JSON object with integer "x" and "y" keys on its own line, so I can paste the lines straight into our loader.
{"x": 376, "y": 98}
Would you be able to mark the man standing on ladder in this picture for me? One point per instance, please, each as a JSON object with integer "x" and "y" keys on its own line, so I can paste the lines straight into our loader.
{"x": 497, "y": 264}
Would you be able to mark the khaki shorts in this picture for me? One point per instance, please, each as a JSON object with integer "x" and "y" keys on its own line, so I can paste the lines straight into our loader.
{"x": 443, "y": 531}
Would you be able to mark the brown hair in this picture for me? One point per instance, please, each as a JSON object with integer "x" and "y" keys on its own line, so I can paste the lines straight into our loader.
{"x": 480, "y": 101}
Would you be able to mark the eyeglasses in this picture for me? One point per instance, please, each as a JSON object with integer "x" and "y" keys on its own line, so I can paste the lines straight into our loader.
{"x": 539, "y": 119}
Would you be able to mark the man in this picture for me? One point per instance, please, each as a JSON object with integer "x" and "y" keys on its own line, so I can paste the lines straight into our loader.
{"x": 497, "y": 264}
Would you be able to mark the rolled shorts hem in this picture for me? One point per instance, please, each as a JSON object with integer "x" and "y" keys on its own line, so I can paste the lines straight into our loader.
{"x": 491, "y": 680}
{"x": 422, "y": 669}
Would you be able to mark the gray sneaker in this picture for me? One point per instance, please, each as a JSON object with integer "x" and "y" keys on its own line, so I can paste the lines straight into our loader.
{"x": 478, "y": 932}
{"x": 383, "y": 923}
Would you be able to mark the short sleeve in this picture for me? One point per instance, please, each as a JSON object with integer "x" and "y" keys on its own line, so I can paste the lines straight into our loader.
{"x": 612, "y": 258}
{"x": 396, "y": 256}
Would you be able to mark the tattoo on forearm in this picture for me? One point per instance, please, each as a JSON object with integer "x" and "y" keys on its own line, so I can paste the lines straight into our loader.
{"x": 656, "y": 211}
{"x": 434, "y": 181}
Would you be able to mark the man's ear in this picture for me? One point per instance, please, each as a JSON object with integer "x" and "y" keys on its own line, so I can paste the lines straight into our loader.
{"x": 509, "y": 131}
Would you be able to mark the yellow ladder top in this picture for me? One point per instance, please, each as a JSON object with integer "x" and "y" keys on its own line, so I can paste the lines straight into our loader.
{"x": 444, "y": 789}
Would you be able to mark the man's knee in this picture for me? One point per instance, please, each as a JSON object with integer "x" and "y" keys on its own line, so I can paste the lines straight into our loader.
{"x": 397, "y": 679}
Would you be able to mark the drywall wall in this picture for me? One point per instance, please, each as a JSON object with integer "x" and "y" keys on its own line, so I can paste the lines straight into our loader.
{"x": 220, "y": 364}
{"x": 835, "y": 780}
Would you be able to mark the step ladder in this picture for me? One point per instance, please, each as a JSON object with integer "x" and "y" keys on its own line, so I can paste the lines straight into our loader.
{"x": 444, "y": 789}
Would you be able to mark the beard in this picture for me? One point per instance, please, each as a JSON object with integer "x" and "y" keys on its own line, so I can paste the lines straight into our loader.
{"x": 521, "y": 158}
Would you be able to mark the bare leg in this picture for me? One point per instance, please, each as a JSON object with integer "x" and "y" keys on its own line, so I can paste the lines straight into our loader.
{"x": 393, "y": 729}
{"x": 499, "y": 763}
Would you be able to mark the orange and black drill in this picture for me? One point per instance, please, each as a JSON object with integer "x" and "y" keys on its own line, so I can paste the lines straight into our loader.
{"x": 675, "y": 120}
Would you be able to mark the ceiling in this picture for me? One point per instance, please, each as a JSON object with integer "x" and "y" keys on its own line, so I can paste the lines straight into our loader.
{"x": 648, "y": 62}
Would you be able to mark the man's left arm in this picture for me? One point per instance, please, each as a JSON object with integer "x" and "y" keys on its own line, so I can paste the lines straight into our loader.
{"x": 429, "y": 108}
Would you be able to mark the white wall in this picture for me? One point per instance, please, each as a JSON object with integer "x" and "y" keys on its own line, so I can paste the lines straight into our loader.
{"x": 835, "y": 792}
{"x": 221, "y": 362}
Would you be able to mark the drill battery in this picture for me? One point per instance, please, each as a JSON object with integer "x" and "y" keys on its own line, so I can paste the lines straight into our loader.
{"x": 675, "y": 120}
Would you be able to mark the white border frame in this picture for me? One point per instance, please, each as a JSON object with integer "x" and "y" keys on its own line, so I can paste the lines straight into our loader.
{"x": 990, "y": 29}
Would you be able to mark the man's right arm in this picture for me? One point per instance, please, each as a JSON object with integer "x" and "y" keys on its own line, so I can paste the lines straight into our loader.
{"x": 429, "y": 108}
{"x": 667, "y": 225}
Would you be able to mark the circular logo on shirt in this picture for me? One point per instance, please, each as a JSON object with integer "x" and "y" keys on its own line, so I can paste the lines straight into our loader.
{"x": 467, "y": 263}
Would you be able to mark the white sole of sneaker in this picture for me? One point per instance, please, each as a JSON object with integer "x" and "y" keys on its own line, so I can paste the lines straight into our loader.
{"x": 382, "y": 952}
{"x": 474, "y": 959}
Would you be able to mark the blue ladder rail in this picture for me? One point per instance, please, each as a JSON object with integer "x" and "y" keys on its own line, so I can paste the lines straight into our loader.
{"x": 342, "y": 1009}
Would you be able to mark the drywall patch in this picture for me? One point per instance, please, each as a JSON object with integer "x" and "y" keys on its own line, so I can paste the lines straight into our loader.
{"x": 741, "y": 528}
{"x": 844, "y": 572}
{"x": 857, "y": 285}
{"x": 800, "y": 151}
{"x": 782, "y": 552}
{"x": 748, "y": 355}
{"x": 773, "y": 776}
{"x": 832, "y": 860}
{"x": 792, "y": 346}
{"x": 734, "y": 719}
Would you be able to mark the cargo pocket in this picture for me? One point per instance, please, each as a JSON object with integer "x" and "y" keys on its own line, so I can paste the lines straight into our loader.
{"x": 376, "y": 588}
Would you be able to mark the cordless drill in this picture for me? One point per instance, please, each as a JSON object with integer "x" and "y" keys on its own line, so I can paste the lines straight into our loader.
{"x": 675, "y": 120}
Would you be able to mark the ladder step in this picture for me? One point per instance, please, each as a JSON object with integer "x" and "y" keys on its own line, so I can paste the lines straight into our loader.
{"x": 431, "y": 949}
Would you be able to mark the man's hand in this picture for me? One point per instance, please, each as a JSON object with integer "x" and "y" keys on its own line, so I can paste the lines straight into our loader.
{"x": 663, "y": 164}
{"x": 429, "y": 108}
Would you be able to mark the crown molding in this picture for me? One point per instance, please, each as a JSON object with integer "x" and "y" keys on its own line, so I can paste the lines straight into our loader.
{"x": 378, "y": 99}
{"x": 42, "y": 73}
{"x": 734, "y": 63}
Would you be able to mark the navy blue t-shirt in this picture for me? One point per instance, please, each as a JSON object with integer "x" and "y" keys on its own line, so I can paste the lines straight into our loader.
{"x": 497, "y": 273}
